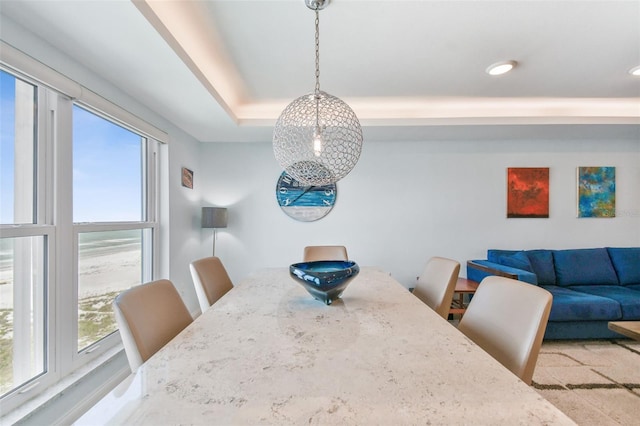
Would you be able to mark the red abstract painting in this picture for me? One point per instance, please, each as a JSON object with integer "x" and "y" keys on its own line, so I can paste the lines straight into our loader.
{"x": 528, "y": 192}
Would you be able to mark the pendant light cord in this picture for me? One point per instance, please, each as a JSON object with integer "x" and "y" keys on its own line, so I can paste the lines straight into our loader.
{"x": 317, "y": 92}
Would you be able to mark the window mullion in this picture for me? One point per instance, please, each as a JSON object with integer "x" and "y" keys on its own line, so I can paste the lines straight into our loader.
{"x": 23, "y": 332}
{"x": 63, "y": 291}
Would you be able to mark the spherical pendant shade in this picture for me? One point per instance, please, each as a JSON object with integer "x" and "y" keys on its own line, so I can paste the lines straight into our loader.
{"x": 317, "y": 139}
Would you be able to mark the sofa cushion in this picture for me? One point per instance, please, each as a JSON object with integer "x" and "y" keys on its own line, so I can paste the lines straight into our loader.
{"x": 542, "y": 265}
{"x": 634, "y": 287}
{"x": 626, "y": 262}
{"x": 564, "y": 330}
{"x": 570, "y": 305}
{"x": 628, "y": 299}
{"x": 584, "y": 267}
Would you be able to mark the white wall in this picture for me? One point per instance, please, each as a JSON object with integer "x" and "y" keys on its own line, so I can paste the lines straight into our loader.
{"x": 183, "y": 227}
{"x": 407, "y": 201}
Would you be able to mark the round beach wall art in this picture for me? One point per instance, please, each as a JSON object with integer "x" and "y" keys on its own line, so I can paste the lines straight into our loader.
{"x": 305, "y": 203}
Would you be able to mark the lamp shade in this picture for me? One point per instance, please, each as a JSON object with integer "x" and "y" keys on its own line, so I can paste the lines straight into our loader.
{"x": 318, "y": 139}
{"x": 214, "y": 217}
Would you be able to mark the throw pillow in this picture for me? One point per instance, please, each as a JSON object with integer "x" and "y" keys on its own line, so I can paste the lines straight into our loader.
{"x": 518, "y": 260}
{"x": 584, "y": 267}
{"x": 626, "y": 262}
{"x": 542, "y": 266}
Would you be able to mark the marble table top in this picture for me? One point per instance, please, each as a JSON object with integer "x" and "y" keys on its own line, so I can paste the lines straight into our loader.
{"x": 268, "y": 353}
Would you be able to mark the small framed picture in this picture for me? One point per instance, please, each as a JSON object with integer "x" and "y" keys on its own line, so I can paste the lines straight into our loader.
{"x": 187, "y": 178}
{"x": 528, "y": 192}
{"x": 597, "y": 192}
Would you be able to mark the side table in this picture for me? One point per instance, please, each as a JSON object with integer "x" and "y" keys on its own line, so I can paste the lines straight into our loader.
{"x": 464, "y": 287}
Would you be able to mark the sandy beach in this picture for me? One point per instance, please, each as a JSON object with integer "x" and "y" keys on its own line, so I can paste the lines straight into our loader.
{"x": 110, "y": 272}
{"x": 99, "y": 273}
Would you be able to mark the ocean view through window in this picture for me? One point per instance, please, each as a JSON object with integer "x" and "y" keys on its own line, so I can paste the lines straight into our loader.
{"x": 108, "y": 263}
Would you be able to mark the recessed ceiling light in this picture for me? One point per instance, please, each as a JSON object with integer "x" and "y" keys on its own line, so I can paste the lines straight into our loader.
{"x": 635, "y": 71}
{"x": 500, "y": 68}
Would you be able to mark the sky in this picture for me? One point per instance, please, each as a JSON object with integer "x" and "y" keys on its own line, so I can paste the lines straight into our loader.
{"x": 107, "y": 170}
{"x": 7, "y": 116}
{"x": 107, "y": 159}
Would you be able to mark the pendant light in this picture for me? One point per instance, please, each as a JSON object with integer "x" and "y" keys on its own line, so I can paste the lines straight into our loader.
{"x": 318, "y": 139}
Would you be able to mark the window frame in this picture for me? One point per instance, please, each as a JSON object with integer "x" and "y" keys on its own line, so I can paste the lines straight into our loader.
{"x": 54, "y": 221}
{"x": 80, "y": 356}
{"x": 42, "y": 226}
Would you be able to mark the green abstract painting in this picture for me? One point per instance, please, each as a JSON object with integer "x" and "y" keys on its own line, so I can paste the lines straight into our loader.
{"x": 596, "y": 191}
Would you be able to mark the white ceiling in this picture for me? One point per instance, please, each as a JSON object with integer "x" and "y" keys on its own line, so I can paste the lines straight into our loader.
{"x": 223, "y": 70}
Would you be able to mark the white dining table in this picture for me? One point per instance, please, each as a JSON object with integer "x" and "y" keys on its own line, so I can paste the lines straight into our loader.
{"x": 268, "y": 353}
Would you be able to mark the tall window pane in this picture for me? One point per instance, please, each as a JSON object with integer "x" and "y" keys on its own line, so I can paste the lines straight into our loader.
{"x": 22, "y": 314}
{"x": 108, "y": 263}
{"x": 108, "y": 189}
{"x": 22, "y": 259}
{"x": 107, "y": 170}
{"x": 17, "y": 148}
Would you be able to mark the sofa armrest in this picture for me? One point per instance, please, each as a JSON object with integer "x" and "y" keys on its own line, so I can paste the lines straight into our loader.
{"x": 477, "y": 270}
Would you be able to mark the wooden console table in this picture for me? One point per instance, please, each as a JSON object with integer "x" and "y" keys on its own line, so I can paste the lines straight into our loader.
{"x": 628, "y": 328}
{"x": 463, "y": 286}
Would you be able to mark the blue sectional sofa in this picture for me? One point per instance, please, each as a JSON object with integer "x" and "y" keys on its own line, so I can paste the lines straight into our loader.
{"x": 590, "y": 287}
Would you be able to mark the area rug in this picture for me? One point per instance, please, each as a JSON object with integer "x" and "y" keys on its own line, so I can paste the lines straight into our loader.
{"x": 595, "y": 382}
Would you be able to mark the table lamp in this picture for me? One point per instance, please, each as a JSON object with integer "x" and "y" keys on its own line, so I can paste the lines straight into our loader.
{"x": 214, "y": 217}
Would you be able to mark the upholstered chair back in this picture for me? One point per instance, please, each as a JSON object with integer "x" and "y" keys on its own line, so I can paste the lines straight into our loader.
{"x": 312, "y": 253}
{"x": 436, "y": 284}
{"x": 508, "y": 318}
{"x": 210, "y": 279}
{"x": 149, "y": 316}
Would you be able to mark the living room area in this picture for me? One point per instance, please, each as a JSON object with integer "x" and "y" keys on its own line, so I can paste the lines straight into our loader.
{"x": 587, "y": 364}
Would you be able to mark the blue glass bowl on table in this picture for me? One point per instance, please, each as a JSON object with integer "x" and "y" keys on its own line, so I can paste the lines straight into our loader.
{"x": 325, "y": 280}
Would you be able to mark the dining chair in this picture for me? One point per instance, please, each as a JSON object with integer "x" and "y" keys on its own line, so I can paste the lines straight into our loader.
{"x": 436, "y": 285}
{"x": 313, "y": 253}
{"x": 210, "y": 279}
{"x": 149, "y": 316}
{"x": 508, "y": 318}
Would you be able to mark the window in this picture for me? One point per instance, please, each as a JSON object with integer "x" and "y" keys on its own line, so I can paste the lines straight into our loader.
{"x": 109, "y": 211}
{"x": 78, "y": 225}
{"x": 23, "y": 246}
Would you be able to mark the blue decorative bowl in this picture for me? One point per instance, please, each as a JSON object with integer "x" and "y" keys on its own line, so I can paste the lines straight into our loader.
{"x": 325, "y": 279}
